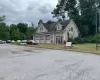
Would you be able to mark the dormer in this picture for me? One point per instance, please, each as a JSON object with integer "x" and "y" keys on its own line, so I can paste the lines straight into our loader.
{"x": 41, "y": 28}
{"x": 58, "y": 26}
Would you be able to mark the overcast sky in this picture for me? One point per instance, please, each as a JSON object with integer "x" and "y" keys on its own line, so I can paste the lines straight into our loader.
{"x": 27, "y": 10}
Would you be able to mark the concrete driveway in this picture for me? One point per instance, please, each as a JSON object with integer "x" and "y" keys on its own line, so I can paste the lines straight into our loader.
{"x": 26, "y": 63}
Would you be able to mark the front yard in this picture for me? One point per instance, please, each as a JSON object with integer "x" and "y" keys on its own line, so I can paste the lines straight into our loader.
{"x": 89, "y": 48}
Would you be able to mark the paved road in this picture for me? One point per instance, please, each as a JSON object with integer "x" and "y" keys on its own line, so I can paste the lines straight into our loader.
{"x": 26, "y": 63}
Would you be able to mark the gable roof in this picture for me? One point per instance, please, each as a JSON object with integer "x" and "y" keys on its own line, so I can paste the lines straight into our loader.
{"x": 51, "y": 26}
{"x": 64, "y": 23}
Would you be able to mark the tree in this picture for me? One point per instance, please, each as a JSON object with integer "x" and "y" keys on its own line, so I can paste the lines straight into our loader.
{"x": 22, "y": 27}
{"x": 22, "y": 36}
{"x": 30, "y": 32}
{"x": 4, "y": 31}
{"x": 2, "y": 18}
{"x": 88, "y": 14}
{"x": 68, "y": 6}
{"x": 12, "y": 27}
{"x": 15, "y": 34}
{"x": 83, "y": 13}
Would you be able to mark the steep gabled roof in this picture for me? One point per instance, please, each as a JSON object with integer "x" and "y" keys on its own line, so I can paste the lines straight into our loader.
{"x": 64, "y": 23}
{"x": 51, "y": 26}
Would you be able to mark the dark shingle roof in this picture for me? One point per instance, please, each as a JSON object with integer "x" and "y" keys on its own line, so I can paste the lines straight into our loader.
{"x": 64, "y": 23}
{"x": 51, "y": 26}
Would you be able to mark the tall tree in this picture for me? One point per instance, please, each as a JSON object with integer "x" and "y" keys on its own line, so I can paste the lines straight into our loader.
{"x": 22, "y": 27}
{"x": 88, "y": 14}
{"x": 68, "y": 6}
{"x": 12, "y": 27}
{"x": 2, "y": 18}
{"x": 4, "y": 31}
{"x": 30, "y": 32}
{"x": 15, "y": 34}
{"x": 83, "y": 13}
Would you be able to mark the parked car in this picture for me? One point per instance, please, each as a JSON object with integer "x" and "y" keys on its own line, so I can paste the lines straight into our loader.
{"x": 13, "y": 41}
{"x": 8, "y": 41}
{"x": 24, "y": 41}
{"x": 1, "y": 42}
{"x": 31, "y": 42}
{"x": 19, "y": 41}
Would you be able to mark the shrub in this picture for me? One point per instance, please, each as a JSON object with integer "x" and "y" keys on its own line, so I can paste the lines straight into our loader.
{"x": 72, "y": 40}
{"x": 87, "y": 39}
{"x": 90, "y": 39}
{"x": 16, "y": 43}
{"x": 76, "y": 40}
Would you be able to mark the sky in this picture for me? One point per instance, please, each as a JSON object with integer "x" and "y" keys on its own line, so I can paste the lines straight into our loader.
{"x": 27, "y": 11}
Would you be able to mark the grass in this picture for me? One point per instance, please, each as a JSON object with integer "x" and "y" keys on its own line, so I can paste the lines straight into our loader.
{"x": 87, "y": 48}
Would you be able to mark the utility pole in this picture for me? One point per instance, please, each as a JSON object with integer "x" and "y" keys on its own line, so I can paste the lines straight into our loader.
{"x": 96, "y": 32}
{"x": 96, "y": 25}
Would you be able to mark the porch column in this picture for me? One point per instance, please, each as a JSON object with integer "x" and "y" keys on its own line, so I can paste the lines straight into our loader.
{"x": 44, "y": 38}
{"x": 53, "y": 38}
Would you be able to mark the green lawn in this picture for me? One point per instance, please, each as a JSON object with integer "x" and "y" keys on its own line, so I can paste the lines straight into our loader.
{"x": 89, "y": 48}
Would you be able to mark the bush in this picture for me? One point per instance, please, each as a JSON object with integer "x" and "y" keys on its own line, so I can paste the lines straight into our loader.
{"x": 72, "y": 40}
{"x": 88, "y": 39}
{"x": 76, "y": 40}
{"x": 16, "y": 43}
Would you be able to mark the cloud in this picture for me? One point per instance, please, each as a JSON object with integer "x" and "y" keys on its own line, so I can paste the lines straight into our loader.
{"x": 27, "y": 10}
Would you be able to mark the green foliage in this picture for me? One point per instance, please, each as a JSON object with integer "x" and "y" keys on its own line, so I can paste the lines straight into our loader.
{"x": 22, "y": 36}
{"x": 87, "y": 39}
{"x": 15, "y": 32}
{"x": 4, "y": 32}
{"x": 91, "y": 39}
{"x": 83, "y": 13}
{"x": 2, "y": 18}
{"x": 30, "y": 32}
{"x": 22, "y": 27}
{"x": 77, "y": 40}
{"x": 69, "y": 6}
{"x": 16, "y": 43}
{"x": 15, "y": 35}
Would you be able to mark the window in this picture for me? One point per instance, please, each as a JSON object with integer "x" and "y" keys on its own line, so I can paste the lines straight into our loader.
{"x": 47, "y": 37}
{"x": 40, "y": 29}
{"x": 58, "y": 27}
{"x": 71, "y": 28}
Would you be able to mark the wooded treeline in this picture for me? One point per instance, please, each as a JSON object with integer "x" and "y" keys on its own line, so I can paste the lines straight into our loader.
{"x": 20, "y": 31}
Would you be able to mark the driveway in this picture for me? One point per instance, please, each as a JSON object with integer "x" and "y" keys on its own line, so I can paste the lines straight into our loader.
{"x": 27, "y": 63}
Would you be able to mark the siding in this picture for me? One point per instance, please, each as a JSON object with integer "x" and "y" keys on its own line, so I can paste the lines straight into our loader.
{"x": 73, "y": 34}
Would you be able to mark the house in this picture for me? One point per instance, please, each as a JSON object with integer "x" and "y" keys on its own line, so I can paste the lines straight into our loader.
{"x": 56, "y": 32}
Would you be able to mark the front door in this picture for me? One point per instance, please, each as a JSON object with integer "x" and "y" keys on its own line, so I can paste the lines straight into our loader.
{"x": 59, "y": 39}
